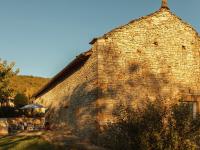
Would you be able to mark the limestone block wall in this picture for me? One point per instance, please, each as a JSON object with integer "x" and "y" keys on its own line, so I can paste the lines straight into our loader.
{"x": 155, "y": 57}
{"x": 72, "y": 102}
{"x": 3, "y": 127}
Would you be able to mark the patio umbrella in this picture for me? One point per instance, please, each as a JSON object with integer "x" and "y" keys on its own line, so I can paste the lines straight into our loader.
{"x": 32, "y": 106}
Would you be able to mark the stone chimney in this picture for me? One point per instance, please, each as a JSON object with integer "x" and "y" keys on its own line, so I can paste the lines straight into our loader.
{"x": 164, "y": 4}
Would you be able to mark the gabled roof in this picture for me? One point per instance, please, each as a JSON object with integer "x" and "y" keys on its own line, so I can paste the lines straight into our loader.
{"x": 63, "y": 74}
{"x": 79, "y": 60}
{"x": 141, "y": 18}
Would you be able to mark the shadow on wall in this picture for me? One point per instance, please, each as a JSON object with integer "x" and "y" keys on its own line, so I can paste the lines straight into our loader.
{"x": 139, "y": 84}
{"x": 79, "y": 110}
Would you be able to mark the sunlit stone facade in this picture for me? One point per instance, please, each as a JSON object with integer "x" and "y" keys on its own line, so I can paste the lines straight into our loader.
{"x": 154, "y": 57}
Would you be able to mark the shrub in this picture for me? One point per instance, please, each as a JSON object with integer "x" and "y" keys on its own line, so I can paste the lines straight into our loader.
{"x": 156, "y": 128}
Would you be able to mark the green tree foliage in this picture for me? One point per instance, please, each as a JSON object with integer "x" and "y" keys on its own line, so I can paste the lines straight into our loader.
{"x": 20, "y": 100}
{"x": 19, "y": 88}
{"x": 6, "y": 73}
{"x": 27, "y": 85}
{"x": 155, "y": 128}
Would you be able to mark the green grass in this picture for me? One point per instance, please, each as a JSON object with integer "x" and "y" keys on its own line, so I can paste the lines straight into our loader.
{"x": 25, "y": 143}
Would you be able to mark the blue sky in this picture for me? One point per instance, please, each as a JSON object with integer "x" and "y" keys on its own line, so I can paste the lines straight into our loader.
{"x": 43, "y": 36}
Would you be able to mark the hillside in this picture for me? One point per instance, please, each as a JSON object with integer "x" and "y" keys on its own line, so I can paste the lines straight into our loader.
{"x": 28, "y": 84}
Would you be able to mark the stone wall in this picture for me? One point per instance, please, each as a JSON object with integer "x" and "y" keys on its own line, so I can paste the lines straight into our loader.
{"x": 155, "y": 57}
{"x": 3, "y": 127}
{"x": 72, "y": 102}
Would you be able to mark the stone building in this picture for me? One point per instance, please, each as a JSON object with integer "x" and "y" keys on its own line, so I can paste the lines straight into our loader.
{"x": 153, "y": 57}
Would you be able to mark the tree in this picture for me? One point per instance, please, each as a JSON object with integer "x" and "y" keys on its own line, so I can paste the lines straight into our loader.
{"x": 155, "y": 127}
{"x": 20, "y": 100}
{"x": 6, "y": 73}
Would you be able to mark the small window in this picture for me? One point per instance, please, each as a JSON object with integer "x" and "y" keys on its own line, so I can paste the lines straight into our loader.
{"x": 192, "y": 108}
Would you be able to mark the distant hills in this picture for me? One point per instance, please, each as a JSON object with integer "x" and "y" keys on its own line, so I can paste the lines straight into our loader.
{"x": 28, "y": 85}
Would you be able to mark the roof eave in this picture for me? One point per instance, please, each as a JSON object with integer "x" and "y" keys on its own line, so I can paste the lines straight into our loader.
{"x": 66, "y": 71}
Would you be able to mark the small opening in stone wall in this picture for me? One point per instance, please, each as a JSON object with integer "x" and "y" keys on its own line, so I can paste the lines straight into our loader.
{"x": 183, "y": 47}
{"x": 155, "y": 43}
{"x": 139, "y": 51}
{"x": 133, "y": 68}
